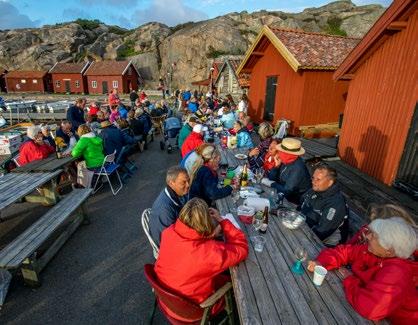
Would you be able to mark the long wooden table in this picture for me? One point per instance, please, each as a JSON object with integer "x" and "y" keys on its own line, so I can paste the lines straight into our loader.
{"x": 52, "y": 163}
{"x": 266, "y": 290}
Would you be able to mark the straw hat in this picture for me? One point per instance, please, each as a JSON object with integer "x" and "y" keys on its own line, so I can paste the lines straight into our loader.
{"x": 105, "y": 124}
{"x": 292, "y": 146}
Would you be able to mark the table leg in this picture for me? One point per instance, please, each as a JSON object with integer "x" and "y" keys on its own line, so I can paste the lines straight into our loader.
{"x": 48, "y": 194}
{"x": 30, "y": 272}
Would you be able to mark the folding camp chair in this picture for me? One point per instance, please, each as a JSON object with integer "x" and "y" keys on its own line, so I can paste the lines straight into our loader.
{"x": 145, "y": 226}
{"x": 108, "y": 168}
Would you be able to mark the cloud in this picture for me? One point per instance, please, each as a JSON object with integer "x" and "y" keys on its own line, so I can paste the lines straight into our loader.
{"x": 10, "y": 17}
{"x": 115, "y": 3}
{"x": 169, "y": 12}
{"x": 74, "y": 13}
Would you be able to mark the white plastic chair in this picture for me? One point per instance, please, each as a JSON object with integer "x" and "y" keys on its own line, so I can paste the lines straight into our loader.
{"x": 145, "y": 227}
{"x": 108, "y": 168}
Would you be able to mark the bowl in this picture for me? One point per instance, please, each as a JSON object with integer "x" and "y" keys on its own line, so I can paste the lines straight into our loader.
{"x": 292, "y": 219}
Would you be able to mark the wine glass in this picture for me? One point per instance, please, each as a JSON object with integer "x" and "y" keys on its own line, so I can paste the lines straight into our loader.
{"x": 259, "y": 174}
{"x": 301, "y": 255}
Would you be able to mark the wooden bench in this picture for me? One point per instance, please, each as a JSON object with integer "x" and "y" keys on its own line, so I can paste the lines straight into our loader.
{"x": 22, "y": 252}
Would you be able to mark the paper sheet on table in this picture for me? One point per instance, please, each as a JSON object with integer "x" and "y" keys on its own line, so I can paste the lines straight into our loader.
{"x": 231, "y": 218}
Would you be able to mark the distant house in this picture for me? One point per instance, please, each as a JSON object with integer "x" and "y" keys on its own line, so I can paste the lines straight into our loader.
{"x": 104, "y": 76}
{"x": 68, "y": 77}
{"x": 28, "y": 81}
{"x": 379, "y": 131}
{"x": 228, "y": 81}
{"x": 291, "y": 76}
{"x": 213, "y": 74}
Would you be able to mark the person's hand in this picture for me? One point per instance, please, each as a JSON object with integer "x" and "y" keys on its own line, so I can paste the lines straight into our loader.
{"x": 216, "y": 232}
{"x": 311, "y": 266}
{"x": 277, "y": 161}
{"x": 215, "y": 214}
{"x": 254, "y": 152}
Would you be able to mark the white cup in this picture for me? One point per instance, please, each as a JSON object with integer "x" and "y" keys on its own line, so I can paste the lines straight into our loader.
{"x": 319, "y": 275}
{"x": 258, "y": 242}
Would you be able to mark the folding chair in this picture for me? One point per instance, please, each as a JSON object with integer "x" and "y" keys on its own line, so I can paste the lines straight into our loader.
{"x": 185, "y": 309}
{"x": 108, "y": 168}
{"x": 145, "y": 226}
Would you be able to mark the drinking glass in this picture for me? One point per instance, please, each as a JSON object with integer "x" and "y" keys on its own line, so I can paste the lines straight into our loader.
{"x": 272, "y": 196}
{"x": 259, "y": 174}
{"x": 301, "y": 255}
{"x": 257, "y": 221}
{"x": 235, "y": 196}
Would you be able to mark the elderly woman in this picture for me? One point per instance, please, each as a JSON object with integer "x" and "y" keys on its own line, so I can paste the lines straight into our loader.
{"x": 204, "y": 177}
{"x": 89, "y": 147}
{"x": 191, "y": 261}
{"x": 243, "y": 136}
{"x": 256, "y": 155}
{"x": 190, "y": 159}
{"x": 35, "y": 148}
{"x": 381, "y": 284}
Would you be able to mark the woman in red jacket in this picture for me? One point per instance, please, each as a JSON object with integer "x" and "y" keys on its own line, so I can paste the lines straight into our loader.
{"x": 35, "y": 148}
{"x": 381, "y": 284}
{"x": 191, "y": 261}
{"x": 193, "y": 140}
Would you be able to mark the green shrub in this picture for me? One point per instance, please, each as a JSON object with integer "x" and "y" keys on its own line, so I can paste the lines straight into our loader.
{"x": 88, "y": 24}
{"x": 118, "y": 30}
{"x": 128, "y": 49}
{"x": 334, "y": 27}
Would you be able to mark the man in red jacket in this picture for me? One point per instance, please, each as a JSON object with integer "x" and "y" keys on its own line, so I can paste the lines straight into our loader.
{"x": 193, "y": 140}
{"x": 35, "y": 148}
{"x": 381, "y": 285}
{"x": 191, "y": 261}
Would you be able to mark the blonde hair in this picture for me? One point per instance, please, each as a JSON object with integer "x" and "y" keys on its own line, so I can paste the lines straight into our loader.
{"x": 195, "y": 214}
{"x": 83, "y": 129}
{"x": 265, "y": 130}
{"x": 385, "y": 211}
{"x": 205, "y": 152}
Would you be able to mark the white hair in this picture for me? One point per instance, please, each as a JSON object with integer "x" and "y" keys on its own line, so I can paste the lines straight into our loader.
{"x": 33, "y": 131}
{"x": 394, "y": 233}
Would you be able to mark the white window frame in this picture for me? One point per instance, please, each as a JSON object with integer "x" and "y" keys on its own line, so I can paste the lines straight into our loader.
{"x": 34, "y": 81}
{"x": 23, "y": 81}
{"x": 93, "y": 84}
{"x": 115, "y": 84}
{"x": 77, "y": 83}
{"x": 58, "y": 83}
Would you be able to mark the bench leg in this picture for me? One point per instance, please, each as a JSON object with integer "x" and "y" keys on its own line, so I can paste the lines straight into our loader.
{"x": 84, "y": 214}
{"x": 30, "y": 272}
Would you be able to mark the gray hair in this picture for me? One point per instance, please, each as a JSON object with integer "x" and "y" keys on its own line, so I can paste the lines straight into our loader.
{"x": 33, "y": 131}
{"x": 174, "y": 172}
{"x": 265, "y": 130}
{"x": 394, "y": 233}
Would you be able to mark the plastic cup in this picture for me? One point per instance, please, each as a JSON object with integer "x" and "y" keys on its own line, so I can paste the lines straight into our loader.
{"x": 227, "y": 181}
{"x": 258, "y": 242}
{"x": 319, "y": 275}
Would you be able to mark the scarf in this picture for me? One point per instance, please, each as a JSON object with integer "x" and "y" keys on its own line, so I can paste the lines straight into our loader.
{"x": 287, "y": 158}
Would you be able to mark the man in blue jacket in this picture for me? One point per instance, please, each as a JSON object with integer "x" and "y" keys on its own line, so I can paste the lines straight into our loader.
{"x": 113, "y": 138}
{"x": 171, "y": 200}
{"x": 75, "y": 113}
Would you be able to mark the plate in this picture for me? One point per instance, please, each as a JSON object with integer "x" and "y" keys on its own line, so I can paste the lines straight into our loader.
{"x": 241, "y": 156}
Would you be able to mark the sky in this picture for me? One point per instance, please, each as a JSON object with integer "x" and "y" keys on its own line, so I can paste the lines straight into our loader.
{"x": 133, "y": 13}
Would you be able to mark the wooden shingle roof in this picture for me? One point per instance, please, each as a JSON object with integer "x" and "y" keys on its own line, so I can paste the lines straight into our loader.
{"x": 69, "y": 67}
{"x": 26, "y": 74}
{"x": 108, "y": 68}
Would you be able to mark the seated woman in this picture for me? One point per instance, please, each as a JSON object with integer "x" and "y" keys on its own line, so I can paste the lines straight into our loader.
{"x": 189, "y": 160}
{"x": 256, "y": 155}
{"x": 191, "y": 261}
{"x": 204, "y": 177}
{"x": 35, "y": 148}
{"x": 381, "y": 284}
{"x": 228, "y": 117}
{"x": 243, "y": 137}
{"x": 89, "y": 147}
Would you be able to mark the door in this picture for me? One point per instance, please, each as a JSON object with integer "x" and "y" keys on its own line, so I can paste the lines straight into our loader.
{"x": 67, "y": 86}
{"x": 105, "y": 88}
{"x": 408, "y": 172}
{"x": 270, "y": 99}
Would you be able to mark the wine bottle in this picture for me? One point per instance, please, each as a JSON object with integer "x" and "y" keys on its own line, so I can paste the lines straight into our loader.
{"x": 264, "y": 225}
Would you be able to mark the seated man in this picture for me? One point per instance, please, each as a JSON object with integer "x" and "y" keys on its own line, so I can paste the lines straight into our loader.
{"x": 35, "y": 148}
{"x": 113, "y": 138}
{"x": 325, "y": 208}
{"x": 171, "y": 200}
{"x": 47, "y": 137}
{"x": 290, "y": 176}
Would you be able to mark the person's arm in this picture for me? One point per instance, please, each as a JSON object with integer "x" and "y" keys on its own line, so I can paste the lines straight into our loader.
{"x": 333, "y": 258}
{"x": 290, "y": 183}
{"x": 127, "y": 139}
{"x": 79, "y": 149}
{"x": 210, "y": 186}
{"x": 383, "y": 294}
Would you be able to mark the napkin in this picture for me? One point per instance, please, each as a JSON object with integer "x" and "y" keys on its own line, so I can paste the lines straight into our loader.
{"x": 231, "y": 218}
{"x": 267, "y": 182}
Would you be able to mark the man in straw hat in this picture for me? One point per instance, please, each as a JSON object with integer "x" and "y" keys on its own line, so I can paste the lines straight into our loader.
{"x": 290, "y": 175}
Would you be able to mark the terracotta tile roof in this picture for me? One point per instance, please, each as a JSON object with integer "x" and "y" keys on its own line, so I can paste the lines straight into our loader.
{"x": 68, "y": 67}
{"x": 107, "y": 68}
{"x": 26, "y": 74}
{"x": 244, "y": 80}
{"x": 315, "y": 50}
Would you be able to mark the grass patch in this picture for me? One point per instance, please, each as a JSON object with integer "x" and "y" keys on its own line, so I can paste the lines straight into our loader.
{"x": 334, "y": 27}
{"x": 119, "y": 30}
{"x": 246, "y": 32}
{"x": 213, "y": 53}
{"x": 128, "y": 49}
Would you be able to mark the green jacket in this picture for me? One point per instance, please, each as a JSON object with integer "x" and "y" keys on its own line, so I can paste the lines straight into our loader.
{"x": 184, "y": 133}
{"x": 90, "y": 147}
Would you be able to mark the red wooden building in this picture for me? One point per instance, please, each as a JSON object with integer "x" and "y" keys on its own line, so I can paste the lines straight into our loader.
{"x": 104, "y": 76}
{"x": 69, "y": 78}
{"x": 212, "y": 76}
{"x": 28, "y": 81}
{"x": 380, "y": 127}
{"x": 291, "y": 76}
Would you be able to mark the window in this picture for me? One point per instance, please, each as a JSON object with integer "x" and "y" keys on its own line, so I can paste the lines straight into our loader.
{"x": 35, "y": 81}
{"x": 23, "y": 81}
{"x": 94, "y": 84}
{"x": 58, "y": 83}
{"x": 77, "y": 83}
{"x": 115, "y": 84}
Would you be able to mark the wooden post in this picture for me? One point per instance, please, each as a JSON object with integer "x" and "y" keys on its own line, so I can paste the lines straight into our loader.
{"x": 30, "y": 272}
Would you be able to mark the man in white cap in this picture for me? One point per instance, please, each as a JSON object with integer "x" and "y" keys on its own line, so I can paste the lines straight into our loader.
{"x": 193, "y": 140}
{"x": 290, "y": 175}
{"x": 35, "y": 148}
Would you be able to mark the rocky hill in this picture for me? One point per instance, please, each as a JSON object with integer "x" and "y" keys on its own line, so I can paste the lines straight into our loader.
{"x": 154, "y": 47}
